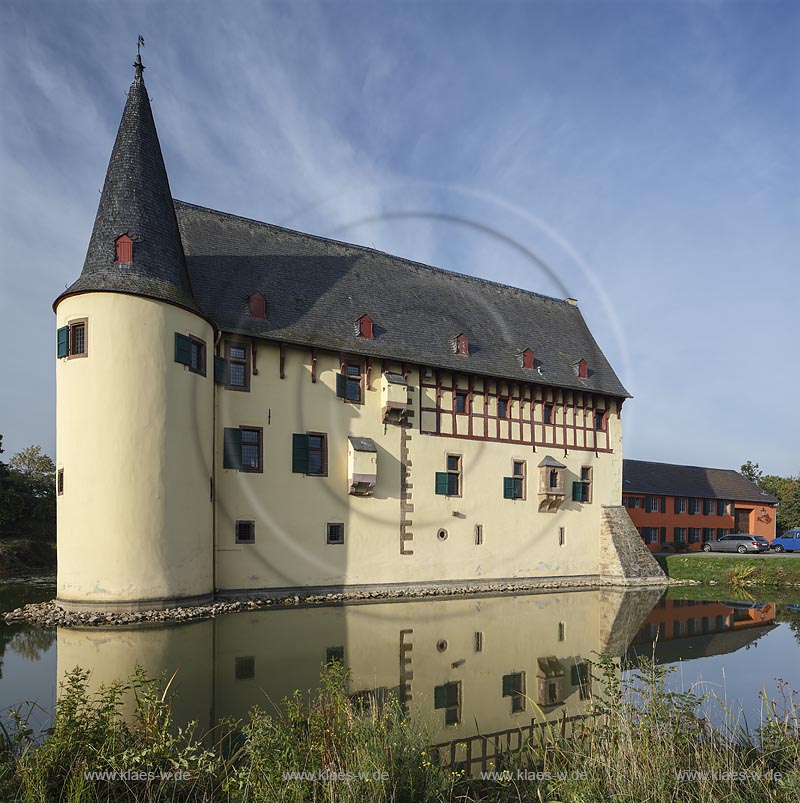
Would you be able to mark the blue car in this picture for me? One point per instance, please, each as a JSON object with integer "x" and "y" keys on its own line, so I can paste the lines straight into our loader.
{"x": 788, "y": 542}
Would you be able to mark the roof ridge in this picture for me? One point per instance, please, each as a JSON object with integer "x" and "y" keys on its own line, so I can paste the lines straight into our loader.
{"x": 681, "y": 465}
{"x": 378, "y": 252}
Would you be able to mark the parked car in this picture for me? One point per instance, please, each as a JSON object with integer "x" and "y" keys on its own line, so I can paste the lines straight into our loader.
{"x": 788, "y": 542}
{"x": 737, "y": 543}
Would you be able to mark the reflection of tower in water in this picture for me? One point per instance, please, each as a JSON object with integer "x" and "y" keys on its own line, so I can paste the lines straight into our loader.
{"x": 466, "y": 668}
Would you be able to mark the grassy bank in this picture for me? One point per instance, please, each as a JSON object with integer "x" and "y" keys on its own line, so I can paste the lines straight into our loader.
{"x": 21, "y": 555}
{"x": 735, "y": 570}
{"x": 634, "y": 748}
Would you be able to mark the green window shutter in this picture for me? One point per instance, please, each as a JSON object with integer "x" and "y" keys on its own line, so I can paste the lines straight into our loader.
{"x": 663, "y": 535}
{"x": 663, "y": 504}
{"x": 441, "y": 483}
{"x": 690, "y": 505}
{"x": 508, "y": 487}
{"x": 63, "y": 342}
{"x": 577, "y": 492}
{"x": 508, "y": 685}
{"x": 232, "y": 448}
{"x": 677, "y": 504}
{"x": 300, "y": 454}
{"x": 440, "y": 696}
{"x": 451, "y": 694}
{"x": 183, "y": 349}
{"x": 341, "y": 386}
{"x": 220, "y": 370}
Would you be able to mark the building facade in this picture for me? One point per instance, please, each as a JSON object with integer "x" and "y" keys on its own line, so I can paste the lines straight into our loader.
{"x": 243, "y": 408}
{"x": 676, "y": 506}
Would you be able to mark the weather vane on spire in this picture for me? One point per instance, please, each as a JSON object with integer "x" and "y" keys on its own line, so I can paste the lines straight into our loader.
{"x": 138, "y": 63}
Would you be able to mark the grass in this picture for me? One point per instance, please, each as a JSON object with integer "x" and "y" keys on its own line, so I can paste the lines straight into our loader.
{"x": 735, "y": 570}
{"x": 639, "y": 738}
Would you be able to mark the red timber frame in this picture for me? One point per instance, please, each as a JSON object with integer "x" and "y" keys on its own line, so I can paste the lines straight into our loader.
{"x": 572, "y": 420}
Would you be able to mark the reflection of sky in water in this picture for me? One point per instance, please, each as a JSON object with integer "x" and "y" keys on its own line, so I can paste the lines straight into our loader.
{"x": 741, "y": 676}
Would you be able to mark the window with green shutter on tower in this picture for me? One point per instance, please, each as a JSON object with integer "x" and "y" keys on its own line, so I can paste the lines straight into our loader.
{"x": 191, "y": 352}
{"x": 72, "y": 340}
{"x": 514, "y": 687}
{"x": 242, "y": 449}
{"x": 514, "y": 486}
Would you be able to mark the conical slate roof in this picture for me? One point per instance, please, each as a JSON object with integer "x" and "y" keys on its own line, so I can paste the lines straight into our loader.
{"x": 136, "y": 200}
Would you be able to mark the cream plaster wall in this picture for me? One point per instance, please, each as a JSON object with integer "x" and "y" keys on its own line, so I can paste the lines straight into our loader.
{"x": 291, "y": 510}
{"x": 134, "y": 438}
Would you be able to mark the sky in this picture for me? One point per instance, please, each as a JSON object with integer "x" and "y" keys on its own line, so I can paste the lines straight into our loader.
{"x": 641, "y": 155}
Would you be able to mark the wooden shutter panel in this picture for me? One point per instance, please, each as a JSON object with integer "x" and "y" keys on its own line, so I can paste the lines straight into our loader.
{"x": 451, "y": 694}
{"x": 232, "y": 448}
{"x": 691, "y": 505}
{"x": 677, "y": 504}
{"x": 508, "y": 487}
{"x": 62, "y": 340}
{"x": 183, "y": 349}
{"x": 220, "y": 370}
{"x": 508, "y": 685}
{"x": 341, "y": 386}
{"x": 441, "y": 483}
{"x": 439, "y": 696}
{"x": 300, "y": 454}
{"x": 663, "y": 504}
{"x": 663, "y": 535}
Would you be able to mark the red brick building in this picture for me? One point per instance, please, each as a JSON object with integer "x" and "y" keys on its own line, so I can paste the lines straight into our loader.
{"x": 688, "y": 505}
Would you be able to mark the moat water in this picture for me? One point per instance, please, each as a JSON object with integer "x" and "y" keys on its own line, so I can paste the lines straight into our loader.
{"x": 719, "y": 646}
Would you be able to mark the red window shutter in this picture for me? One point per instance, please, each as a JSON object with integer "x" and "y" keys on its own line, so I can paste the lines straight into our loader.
{"x": 583, "y": 369}
{"x": 124, "y": 249}
{"x": 462, "y": 344}
{"x": 258, "y": 306}
{"x": 527, "y": 358}
{"x": 365, "y": 327}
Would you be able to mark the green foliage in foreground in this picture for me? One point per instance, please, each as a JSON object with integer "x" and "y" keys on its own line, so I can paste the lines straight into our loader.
{"x": 736, "y": 570}
{"x": 639, "y": 737}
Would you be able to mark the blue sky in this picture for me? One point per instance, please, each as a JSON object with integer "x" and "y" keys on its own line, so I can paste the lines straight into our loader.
{"x": 646, "y": 152}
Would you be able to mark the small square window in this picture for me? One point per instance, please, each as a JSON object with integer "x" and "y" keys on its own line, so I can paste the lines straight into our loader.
{"x": 245, "y": 667}
{"x": 245, "y": 532}
{"x": 335, "y": 533}
{"x": 334, "y": 655}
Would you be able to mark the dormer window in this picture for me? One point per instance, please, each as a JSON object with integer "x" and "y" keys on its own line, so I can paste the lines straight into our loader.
{"x": 461, "y": 344}
{"x": 582, "y": 369}
{"x": 257, "y": 305}
{"x": 364, "y": 327}
{"x": 124, "y": 250}
{"x": 526, "y": 358}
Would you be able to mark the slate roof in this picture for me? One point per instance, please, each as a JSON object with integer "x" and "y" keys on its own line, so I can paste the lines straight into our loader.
{"x": 136, "y": 200}
{"x": 668, "y": 479}
{"x": 317, "y": 288}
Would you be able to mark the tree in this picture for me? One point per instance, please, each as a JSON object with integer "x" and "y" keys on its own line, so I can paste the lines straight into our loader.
{"x": 752, "y": 472}
{"x": 34, "y": 464}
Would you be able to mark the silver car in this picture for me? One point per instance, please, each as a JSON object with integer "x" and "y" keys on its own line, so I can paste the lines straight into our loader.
{"x": 738, "y": 543}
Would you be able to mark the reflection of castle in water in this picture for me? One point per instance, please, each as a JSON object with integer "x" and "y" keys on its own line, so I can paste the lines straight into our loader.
{"x": 686, "y": 629}
{"x": 461, "y": 666}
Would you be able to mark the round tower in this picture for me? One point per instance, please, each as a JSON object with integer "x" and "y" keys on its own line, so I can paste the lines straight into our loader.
{"x": 135, "y": 397}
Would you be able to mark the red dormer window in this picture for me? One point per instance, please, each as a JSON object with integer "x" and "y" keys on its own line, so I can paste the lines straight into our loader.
{"x": 582, "y": 367}
{"x": 364, "y": 327}
{"x": 258, "y": 306}
{"x": 124, "y": 251}
{"x": 526, "y": 357}
{"x": 461, "y": 344}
